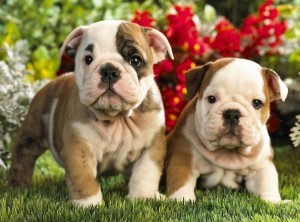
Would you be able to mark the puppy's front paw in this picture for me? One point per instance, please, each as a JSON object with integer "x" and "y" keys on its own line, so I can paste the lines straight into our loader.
{"x": 184, "y": 194}
{"x": 89, "y": 201}
{"x": 272, "y": 198}
{"x": 284, "y": 202}
{"x": 151, "y": 195}
{"x": 183, "y": 197}
{"x": 277, "y": 201}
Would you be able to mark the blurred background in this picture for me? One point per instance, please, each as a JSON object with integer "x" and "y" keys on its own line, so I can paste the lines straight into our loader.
{"x": 265, "y": 31}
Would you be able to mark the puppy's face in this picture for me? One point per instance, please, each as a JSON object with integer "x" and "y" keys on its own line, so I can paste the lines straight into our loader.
{"x": 114, "y": 63}
{"x": 233, "y": 102}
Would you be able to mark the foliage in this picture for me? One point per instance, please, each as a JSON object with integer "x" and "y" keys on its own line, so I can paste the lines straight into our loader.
{"x": 15, "y": 92}
{"x": 47, "y": 199}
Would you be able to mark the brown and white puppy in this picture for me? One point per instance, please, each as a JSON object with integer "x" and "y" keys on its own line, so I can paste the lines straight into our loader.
{"x": 106, "y": 116}
{"x": 221, "y": 135}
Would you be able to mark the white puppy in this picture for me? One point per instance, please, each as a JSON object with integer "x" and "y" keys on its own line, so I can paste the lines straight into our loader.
{"x": 221, "y": 135}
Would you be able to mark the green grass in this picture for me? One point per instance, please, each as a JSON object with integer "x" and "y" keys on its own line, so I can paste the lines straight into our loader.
{"x": 47, "y": 199}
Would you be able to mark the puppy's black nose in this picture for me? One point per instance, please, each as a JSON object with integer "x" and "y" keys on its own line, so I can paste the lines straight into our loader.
{"x": 110, "y": 74}
{"x": 231, "y": 117}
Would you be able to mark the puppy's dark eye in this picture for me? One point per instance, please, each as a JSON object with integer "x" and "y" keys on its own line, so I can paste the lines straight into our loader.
{"x": 257, "y": 104}
{"x": 88, "y": 59}
{"x": 211, "y": 99}
{"x": 135, "y": 60}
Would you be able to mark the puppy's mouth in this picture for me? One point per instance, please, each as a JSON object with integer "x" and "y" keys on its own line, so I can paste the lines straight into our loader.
{"x": 111, "y": 102}
{"x": 230, "y": 138}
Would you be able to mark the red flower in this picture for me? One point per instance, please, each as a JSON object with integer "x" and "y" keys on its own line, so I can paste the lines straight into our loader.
{"x": 227, "y": 39}
{"x": 142, "y": 18}
{"x": 174, "y": 102}
{"x": 267, "y": 10}
{"x": 261, "y": 34}
{"x": 163, "y": 67}
{"x": 181, "y": 69}
{"x": 199, "y": 47}
{"x": 182, "y": 28}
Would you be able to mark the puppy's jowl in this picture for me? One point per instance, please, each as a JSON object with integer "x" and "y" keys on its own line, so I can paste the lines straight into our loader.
{"x": 221, "y": 135}
{"x": 106, "y": 116}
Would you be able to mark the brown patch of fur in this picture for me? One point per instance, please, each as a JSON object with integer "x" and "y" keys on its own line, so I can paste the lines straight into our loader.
{"x": 179, "y": 163}
{"x": 265, "y": 111}
{"x": 79, "y": 163}
{"x": 179, "y": 156}
{"x": 158, "y": 148}
{"x": 33, "y": 134}
{"x": 198, "y": 78}
{"x": 215, "y": 66}
{"x": 131, "y": 39}
{"x": 149, "y": 104}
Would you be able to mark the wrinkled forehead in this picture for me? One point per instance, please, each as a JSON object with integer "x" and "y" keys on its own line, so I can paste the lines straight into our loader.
{"x": 102, "y": 32}
{"x": 112, "y": 35}
{"x": 239, "y": 76}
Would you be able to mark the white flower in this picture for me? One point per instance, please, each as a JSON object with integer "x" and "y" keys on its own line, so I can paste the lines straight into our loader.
{"x": 295, "y": 133}
{"x": 15, "y": 92}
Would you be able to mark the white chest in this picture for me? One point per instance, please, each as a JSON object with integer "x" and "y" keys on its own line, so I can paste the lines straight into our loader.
{"x": 119, "y": 143}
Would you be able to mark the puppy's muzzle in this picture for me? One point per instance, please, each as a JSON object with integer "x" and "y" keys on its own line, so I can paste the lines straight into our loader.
{"x": 231, "y": 117}
{"x": 109, "y": 73}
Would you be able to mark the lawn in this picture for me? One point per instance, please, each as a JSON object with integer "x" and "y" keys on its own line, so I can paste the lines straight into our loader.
{"x": 47, "y": 199}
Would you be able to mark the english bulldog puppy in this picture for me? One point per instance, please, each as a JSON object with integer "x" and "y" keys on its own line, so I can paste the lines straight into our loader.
{"x": 221, "y": 136}
{"x": 107, "y": 116}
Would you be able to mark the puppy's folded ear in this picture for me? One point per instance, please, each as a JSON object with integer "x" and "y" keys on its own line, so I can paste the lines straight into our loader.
{"x": 159, "y": 44}
{"x": 194, "y": 78}
{"x": 72, "y": 42}
{"x": 278, "y": 89}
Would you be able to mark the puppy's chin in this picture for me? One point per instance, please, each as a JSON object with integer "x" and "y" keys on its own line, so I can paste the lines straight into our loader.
{"x": 109, "y": 99}
{"x": 112, "y": 104}
{"x": 230, "y": 141}
{"x": 225, "y": 141}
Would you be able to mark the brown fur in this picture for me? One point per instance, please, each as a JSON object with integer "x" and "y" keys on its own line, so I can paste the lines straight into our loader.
{"x": 32, "y": 136}
{"x": 129, "y": 35}
{"x": 179, "y": 154}
{"x": 158, "y": 150}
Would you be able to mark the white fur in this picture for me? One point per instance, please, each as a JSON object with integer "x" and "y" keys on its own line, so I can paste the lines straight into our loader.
{"x": 90, "y": 201}
{"x": 264, "y": 182}
{"x": 145, "y": 178}
{"x": 51, "y": 131}
{"x": 123, "y": 140}
{"x": 232, "y": 92}
{"x": 186, "y": 192}
{"x": 97, "y": 34}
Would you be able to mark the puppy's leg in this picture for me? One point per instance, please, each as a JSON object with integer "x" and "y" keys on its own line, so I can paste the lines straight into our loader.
{"x": 231, "y": 180}
{"x": 181, "y": 178}
{"x": 212, "y": 179}
{"x": 264, "y": 182}
{"x": 147, "y": 170}
{"x": 81, "y": 171}
{"x": 29, "y": 145}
